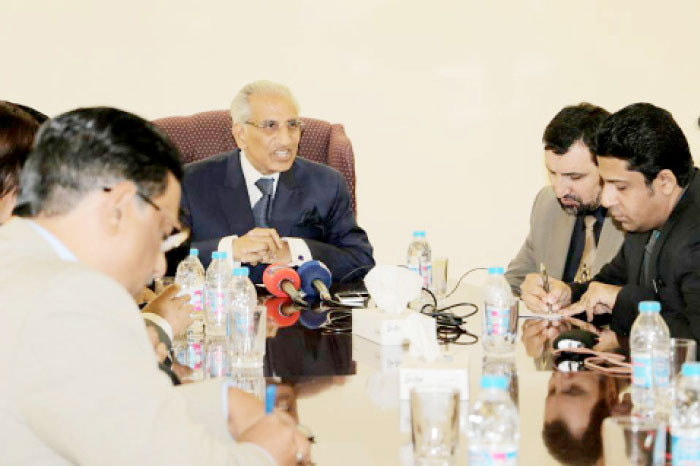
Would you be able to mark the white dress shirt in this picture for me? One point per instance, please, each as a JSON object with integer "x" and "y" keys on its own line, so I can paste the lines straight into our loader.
{"x": 298, "y": 249}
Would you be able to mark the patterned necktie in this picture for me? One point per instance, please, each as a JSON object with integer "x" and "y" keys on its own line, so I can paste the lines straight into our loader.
{"x": 589, "y": 248}
{"x": 261, "y": 210}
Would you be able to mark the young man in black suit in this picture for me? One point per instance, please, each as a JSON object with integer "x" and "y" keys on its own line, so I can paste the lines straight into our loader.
{"x": 653, "y": 190}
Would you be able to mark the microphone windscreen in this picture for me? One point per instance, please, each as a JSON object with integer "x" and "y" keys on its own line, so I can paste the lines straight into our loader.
{"x": 275, "y": 274}
{"x": 281, "y": 310}
{"x": 311, "y": 319}
{"x": 311, "y": 271}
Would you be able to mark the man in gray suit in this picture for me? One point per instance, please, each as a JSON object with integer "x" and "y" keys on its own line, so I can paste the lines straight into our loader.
{"x": 98, "y": 202}
{"x": 570, "y": 233}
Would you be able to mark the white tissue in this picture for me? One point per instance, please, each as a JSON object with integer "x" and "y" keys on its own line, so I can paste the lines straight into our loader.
{"x": 422, "y": 337}
{"x": 392, "y": 287}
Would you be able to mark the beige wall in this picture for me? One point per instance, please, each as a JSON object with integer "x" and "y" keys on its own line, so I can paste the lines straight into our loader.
{"x": 445, "y": 101}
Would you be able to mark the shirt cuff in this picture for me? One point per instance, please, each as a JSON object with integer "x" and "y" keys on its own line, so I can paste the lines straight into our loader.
{"x": 160, "y": 322}
{"x": 298, "y": 250}
{"x": 226, "y": 245}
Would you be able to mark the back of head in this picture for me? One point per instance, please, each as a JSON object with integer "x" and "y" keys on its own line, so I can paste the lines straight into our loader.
{"x": 649, "y": 139}
{"x": 17, "y": 130}
{"x": 573, "y": 123}
{"x": 89, "y": 149}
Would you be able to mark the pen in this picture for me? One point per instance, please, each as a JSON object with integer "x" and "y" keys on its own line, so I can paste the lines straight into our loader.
{"x": 545, "y": 282}
{"x": 270, "y": 396}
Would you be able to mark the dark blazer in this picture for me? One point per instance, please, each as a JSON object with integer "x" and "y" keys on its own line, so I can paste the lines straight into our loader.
{"x": 312, "y": 202}
{"x": 674, "y": 271}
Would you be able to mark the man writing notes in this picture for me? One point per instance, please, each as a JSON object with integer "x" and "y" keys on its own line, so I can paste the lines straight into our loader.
{"x": 263, "y": 204}
{"x": 99, "y": 196}
{"x": 570, "y": 232}
{"x": 653, "y": 190}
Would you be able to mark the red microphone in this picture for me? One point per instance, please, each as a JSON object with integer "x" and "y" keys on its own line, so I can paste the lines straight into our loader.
{"x": 281, "y": 310}
{"x": 282, "y": 281}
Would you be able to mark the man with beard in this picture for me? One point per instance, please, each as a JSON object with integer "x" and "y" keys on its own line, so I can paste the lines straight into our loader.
{"x": 652, "y": 188}
{"x": 570, "y": 233}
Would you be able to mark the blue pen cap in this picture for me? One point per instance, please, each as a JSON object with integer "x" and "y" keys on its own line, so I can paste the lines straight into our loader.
{"x": 270, "y": 396}
{"x": 419, "y": 233}
{"x": 194, "y": 252}
{"x": 496, "y": 271}
{"x": 494, "y": 381}
{"x": 241, "y": 272}
{"x": 691, "y": 369}
{"x": 649, "y": 307}
{"x": 214, "y": 255}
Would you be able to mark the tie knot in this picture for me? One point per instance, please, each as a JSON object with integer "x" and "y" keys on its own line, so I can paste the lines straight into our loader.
{"x": 265, "y": 185}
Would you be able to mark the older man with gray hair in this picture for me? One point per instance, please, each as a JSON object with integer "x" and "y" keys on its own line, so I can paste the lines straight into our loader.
{"x": 262, "y": 204}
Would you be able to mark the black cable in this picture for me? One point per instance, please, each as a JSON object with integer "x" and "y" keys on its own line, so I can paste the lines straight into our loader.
{"x": 449, "y": 326}
{"x": 462, "y": 278}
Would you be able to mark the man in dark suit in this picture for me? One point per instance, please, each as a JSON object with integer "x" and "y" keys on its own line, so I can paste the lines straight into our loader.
{"x": 653, "y": 190}
{"x": 262, "y": 204}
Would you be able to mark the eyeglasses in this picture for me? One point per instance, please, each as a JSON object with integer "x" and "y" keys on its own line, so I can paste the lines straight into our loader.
{"x": 270, "y": 127}
{"x": 179, "y": 232}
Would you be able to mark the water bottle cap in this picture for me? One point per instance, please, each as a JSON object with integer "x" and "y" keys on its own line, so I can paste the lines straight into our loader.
{"x": 241, "y": 272}
{"x": 496, "y": 271}
{"x": 494, "y": 381}
{"x": 419, "y": 233}
{"x": 222, "y": 255}
{"x": 649, "y": 307}
{"x": 194, "y": 252}
{"x": 214, "y": 255}
{"x": 691, "y": 369}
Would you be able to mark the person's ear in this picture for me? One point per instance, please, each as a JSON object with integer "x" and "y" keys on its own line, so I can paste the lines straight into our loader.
{"x": 666, "y": 181}
{"x": 239, "y": 135}
{"x": 118, "y": 201}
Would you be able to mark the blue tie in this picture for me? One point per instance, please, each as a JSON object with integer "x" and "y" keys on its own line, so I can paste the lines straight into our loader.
{"x": 261, "y": 210}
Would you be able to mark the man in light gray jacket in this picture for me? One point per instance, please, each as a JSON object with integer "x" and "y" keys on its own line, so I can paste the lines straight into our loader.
{"x": 98, "y": 201}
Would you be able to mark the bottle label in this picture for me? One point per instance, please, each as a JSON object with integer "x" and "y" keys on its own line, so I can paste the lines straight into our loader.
{"x": 215, "y": 304}
{"x": 641, "y": 371}
{"x": 425, "y": 271}
{"x": 194, "y": 355}
{"x": 647, "y": 371}
{"x": 215, "y": 361}
{"x": 497, "y": 321}
{"x": 196, "y": 299}
{"x": 685, "y": 450}
{"x": 486, "y": 457}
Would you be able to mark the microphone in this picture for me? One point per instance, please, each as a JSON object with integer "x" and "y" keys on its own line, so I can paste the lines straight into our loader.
{"x": 311, "y": 319}
{"x": 315, "y": 279}
{"x": 282, "y": 281}
{"x": 281, "y": 310}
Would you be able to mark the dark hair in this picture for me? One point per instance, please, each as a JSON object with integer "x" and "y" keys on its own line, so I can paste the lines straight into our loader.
{"x": 40, "y": 117}
{"x": 571, "y": 124}
{"x": 649, "y": 139}
{"x": 17, "y": 130}
{"x": 88, "y": 149}
{"x": 569, "y": 450}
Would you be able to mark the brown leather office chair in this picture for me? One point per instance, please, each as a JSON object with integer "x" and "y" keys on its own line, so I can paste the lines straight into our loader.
{"x": 205, "y": 134}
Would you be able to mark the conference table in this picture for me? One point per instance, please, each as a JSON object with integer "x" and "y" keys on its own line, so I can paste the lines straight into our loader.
{"x": 345, "y": 389}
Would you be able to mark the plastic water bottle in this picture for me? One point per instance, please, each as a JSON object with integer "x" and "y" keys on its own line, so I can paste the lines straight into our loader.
{"x": 218, "y": 294}
{"x": 685, "y": 417}
{"x": 217, "y": 359}
{"x": 500, "y": 314}
{"x": 247, "y": 326}
{"x": 650, "y": 346}
{"x": 418, "y": 258}
{"x": 493, "y": 425}
{"x": 190, "y": 278}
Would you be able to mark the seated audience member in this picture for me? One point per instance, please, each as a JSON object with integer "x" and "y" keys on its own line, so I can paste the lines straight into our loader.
{"x": 653, "y": 190}
{"x": 99, "y": 197}
{"x": 17, "y": 129}
{"x": 263, "y": 204}
{"x": 570, "y": 232}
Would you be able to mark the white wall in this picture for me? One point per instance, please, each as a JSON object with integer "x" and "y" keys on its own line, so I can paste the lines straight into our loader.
{"x": 445, "y": 101}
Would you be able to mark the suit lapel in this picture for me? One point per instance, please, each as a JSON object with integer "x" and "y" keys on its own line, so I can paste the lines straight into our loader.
{"x": 559, "y": 240}
{"x": 234, "y": 199}
{"x": 286, "y": 206}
